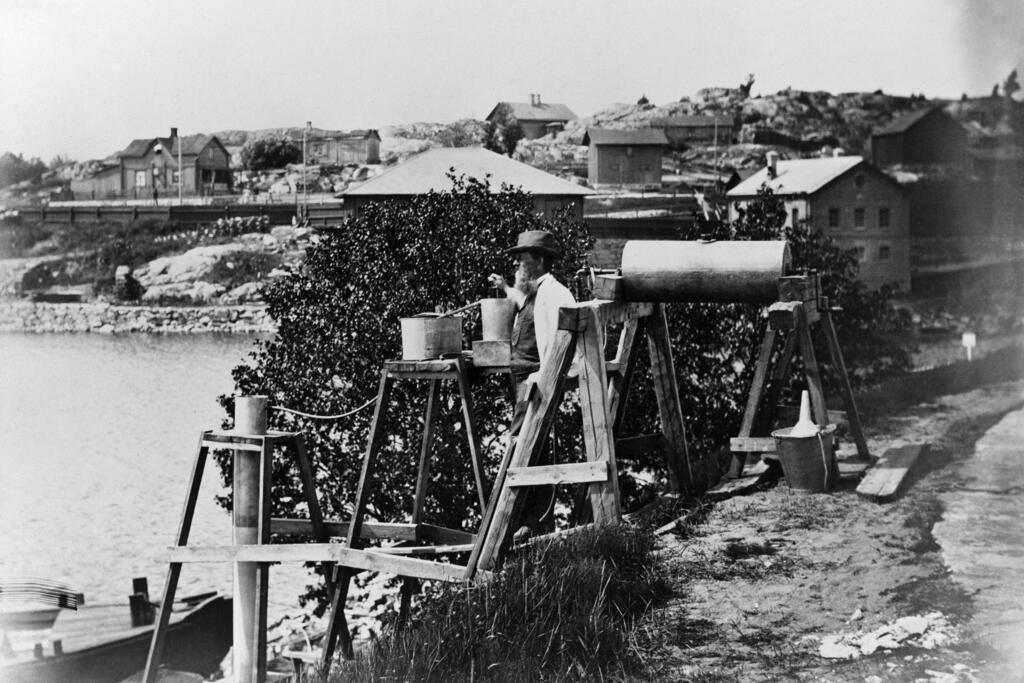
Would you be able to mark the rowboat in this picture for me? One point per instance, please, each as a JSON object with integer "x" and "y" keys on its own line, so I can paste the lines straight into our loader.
{"x": 100, "y": 644}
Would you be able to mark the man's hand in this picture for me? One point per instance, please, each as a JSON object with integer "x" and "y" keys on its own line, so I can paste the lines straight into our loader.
{"x": 497, "y": 281}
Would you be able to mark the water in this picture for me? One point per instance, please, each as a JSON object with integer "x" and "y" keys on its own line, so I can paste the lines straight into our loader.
{"x": 97, "y": 438}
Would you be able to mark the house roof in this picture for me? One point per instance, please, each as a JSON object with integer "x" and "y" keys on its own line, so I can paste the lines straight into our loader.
{"x": 905, "y": 122}
{"x": 524, "y": 111}
{"x": 608, "y": 136}
{"x": 191, "y": 145}
{"x": 797, "y": 176}
{"x": 350, "y": 135}
{"x": 692, "y": 121}
{"x": 428, "y": 171}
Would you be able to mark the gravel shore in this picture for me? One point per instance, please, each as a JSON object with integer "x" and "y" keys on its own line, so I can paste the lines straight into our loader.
{"x": 106, "y": 318}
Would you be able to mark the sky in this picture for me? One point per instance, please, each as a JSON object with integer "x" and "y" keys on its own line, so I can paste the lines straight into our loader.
{"x": 82, "y": 79}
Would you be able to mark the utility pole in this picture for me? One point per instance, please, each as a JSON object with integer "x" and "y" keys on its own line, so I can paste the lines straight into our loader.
{"x": 181, "y": 172}
{"x": 305, "y": 193}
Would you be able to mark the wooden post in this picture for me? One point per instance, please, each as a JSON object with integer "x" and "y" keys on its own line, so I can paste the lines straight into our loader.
{"x": 250, "y": 651}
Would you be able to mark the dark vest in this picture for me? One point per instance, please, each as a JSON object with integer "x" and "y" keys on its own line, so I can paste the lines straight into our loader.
{"x": 524, "y": 336}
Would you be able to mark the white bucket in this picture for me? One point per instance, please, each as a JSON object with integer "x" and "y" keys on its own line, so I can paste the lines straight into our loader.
{"x": 426, "y": 336}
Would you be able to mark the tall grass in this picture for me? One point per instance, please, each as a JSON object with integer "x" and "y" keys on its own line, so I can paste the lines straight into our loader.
{"x": 562, "y": 610}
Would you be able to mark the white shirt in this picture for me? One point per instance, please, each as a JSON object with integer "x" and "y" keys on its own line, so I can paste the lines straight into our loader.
{"x": 551, "y": 295}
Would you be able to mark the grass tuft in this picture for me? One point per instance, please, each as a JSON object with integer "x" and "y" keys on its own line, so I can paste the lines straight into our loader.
{"x": 568, "y": 609}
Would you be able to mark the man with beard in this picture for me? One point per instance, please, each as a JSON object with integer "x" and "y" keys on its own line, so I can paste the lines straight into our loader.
{"x": 538, "y": 296}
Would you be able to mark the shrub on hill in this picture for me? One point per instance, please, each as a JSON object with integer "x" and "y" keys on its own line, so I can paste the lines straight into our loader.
{"x": 272, "y": 151}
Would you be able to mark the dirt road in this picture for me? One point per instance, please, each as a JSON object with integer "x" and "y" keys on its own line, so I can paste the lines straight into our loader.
{"x": 779, "y": 585}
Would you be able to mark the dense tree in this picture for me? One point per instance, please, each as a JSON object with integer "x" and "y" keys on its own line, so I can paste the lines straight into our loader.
{"x": 273, "y": 151}
{"x": 15, "y": 169}
{"x": 503, "y": 132}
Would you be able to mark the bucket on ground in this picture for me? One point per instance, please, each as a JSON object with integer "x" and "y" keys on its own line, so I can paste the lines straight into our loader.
{"x": 427, "y": 336}
{"x": 809, "y": 462}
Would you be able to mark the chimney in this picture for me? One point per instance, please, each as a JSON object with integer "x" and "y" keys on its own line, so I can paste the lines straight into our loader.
{"x": 534, "y": 99}
{"x": 174, "y": 133}
{"x": 838, "y": 152}
{"x": 771, "y": 160}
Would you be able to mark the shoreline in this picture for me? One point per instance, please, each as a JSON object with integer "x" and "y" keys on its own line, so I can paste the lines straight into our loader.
{"x": 106, "y": 318}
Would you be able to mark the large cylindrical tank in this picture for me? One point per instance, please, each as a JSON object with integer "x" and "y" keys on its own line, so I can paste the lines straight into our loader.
{"x": 713, "y": 272}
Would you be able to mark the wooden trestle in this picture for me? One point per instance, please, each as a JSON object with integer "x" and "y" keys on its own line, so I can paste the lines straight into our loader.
{"x": 792, "y": 319}
{"x": 603, "y": 386}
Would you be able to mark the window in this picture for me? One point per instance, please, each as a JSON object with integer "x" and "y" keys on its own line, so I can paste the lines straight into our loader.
{"x": 176, "y": 177}
{"x": 833, "y": 217}
{"x": 883, "y": 217}
{"x": 859, "y": 180}
{"x": 859, "y": 253}
{"x": 629, "y": 151}
{"x": 796, "y": 216}
{"x": 858, "y": 218}
{"x": 884, "y": 252}
{"x": 140, "y": 178}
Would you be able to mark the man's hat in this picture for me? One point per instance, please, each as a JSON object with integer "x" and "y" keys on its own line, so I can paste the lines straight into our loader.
{"x": 536, "y": 240}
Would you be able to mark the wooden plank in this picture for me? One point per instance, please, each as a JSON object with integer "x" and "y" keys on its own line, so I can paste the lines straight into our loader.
{"x": 424, "y": 549}
{"x": 567, "y": 473}
{"x": 309, "y": 488}
{"x": 371, "y": 560}
{"x": 755, "y": 475}
{"x": 635, "y": 446}
{"x": 882, "y": 483}
{"x": 440, "y": 534}
{"x": 244, "y": 442}
{"x": 540, "y": 414}
{"x": 811, "y": 370}
{"x": 757, "y": 388}
{"x": 598, "y": 438}
{"x": 667, "y": 392}
{"x": 372, "y": 447}
{"x": 338, "y": 528}
{"x": 752, "y": 444}
{"x": 853, "y": 468}
{"x": 420, "y": 366}
{"x": 576, "y": 317}
{"x": 625, "y": 358}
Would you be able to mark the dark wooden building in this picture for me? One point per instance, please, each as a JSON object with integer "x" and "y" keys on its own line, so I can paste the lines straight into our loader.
{"x": 686, "y": 131}
{"x": 353, "y": 147}
{"x": 625, "y": 157}
{"x": 924, "y": 137}
{"x": 536, "y": 118}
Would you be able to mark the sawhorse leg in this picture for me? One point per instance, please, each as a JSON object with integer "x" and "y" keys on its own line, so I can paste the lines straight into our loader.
{"x": 667, "y": 392}
{"x": 852, "y": 416}
{"x": 337, "y": 626}
{"x": 159, "y": 640}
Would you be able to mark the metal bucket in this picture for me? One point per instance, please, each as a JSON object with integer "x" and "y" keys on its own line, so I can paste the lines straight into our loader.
{"x": 427, "y": 336}
{"x": 497, "y": 317}
{"x": 809, "y": 462}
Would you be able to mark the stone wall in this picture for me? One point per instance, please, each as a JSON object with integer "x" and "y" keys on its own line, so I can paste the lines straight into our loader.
{"x": 105, "y": 318}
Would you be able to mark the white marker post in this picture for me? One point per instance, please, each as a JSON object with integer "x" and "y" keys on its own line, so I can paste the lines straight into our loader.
{"x": 969, "y": 341}
{"x": 249, "y": 646}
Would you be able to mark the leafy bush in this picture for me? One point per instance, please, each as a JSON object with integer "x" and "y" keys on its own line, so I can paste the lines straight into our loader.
{"x": 558, "y": 611}
{"x": 272, "y": 151}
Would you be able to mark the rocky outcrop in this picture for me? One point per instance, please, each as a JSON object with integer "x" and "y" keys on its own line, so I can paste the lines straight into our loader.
{"x": 104, "y": 318}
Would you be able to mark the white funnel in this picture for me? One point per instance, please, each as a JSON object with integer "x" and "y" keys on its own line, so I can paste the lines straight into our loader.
{"x": 804, "y": 426}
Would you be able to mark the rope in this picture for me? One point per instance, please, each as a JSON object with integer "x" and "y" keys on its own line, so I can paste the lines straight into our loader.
{"x": 824, "y": 459}
{"x": 324, "y": 417}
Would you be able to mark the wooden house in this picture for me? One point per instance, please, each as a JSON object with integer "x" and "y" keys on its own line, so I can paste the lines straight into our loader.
{"x": 149, "y": 164}
{"x": 625, "y": 157}
{"x": 353, "y": 147}
{"x": 846, "y": 198}
{"x": 923, "y": 137}
{"x": 688, "y": 131}
{"x": 429, "y": 171}
{"x": 536, "y": 118}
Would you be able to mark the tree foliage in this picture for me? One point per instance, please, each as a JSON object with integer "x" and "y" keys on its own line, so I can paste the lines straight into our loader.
{"x": 503, "y": 132}
{"x": 15, "y": 169}
{"x": 273, "y": 151}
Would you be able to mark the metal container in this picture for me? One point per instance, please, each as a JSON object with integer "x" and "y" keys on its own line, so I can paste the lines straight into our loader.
{"x": 428, "y": 336}
{"x": 711, "y": 272}
{"x": 809, "y": 462}
{"x": 497, "y": 317}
